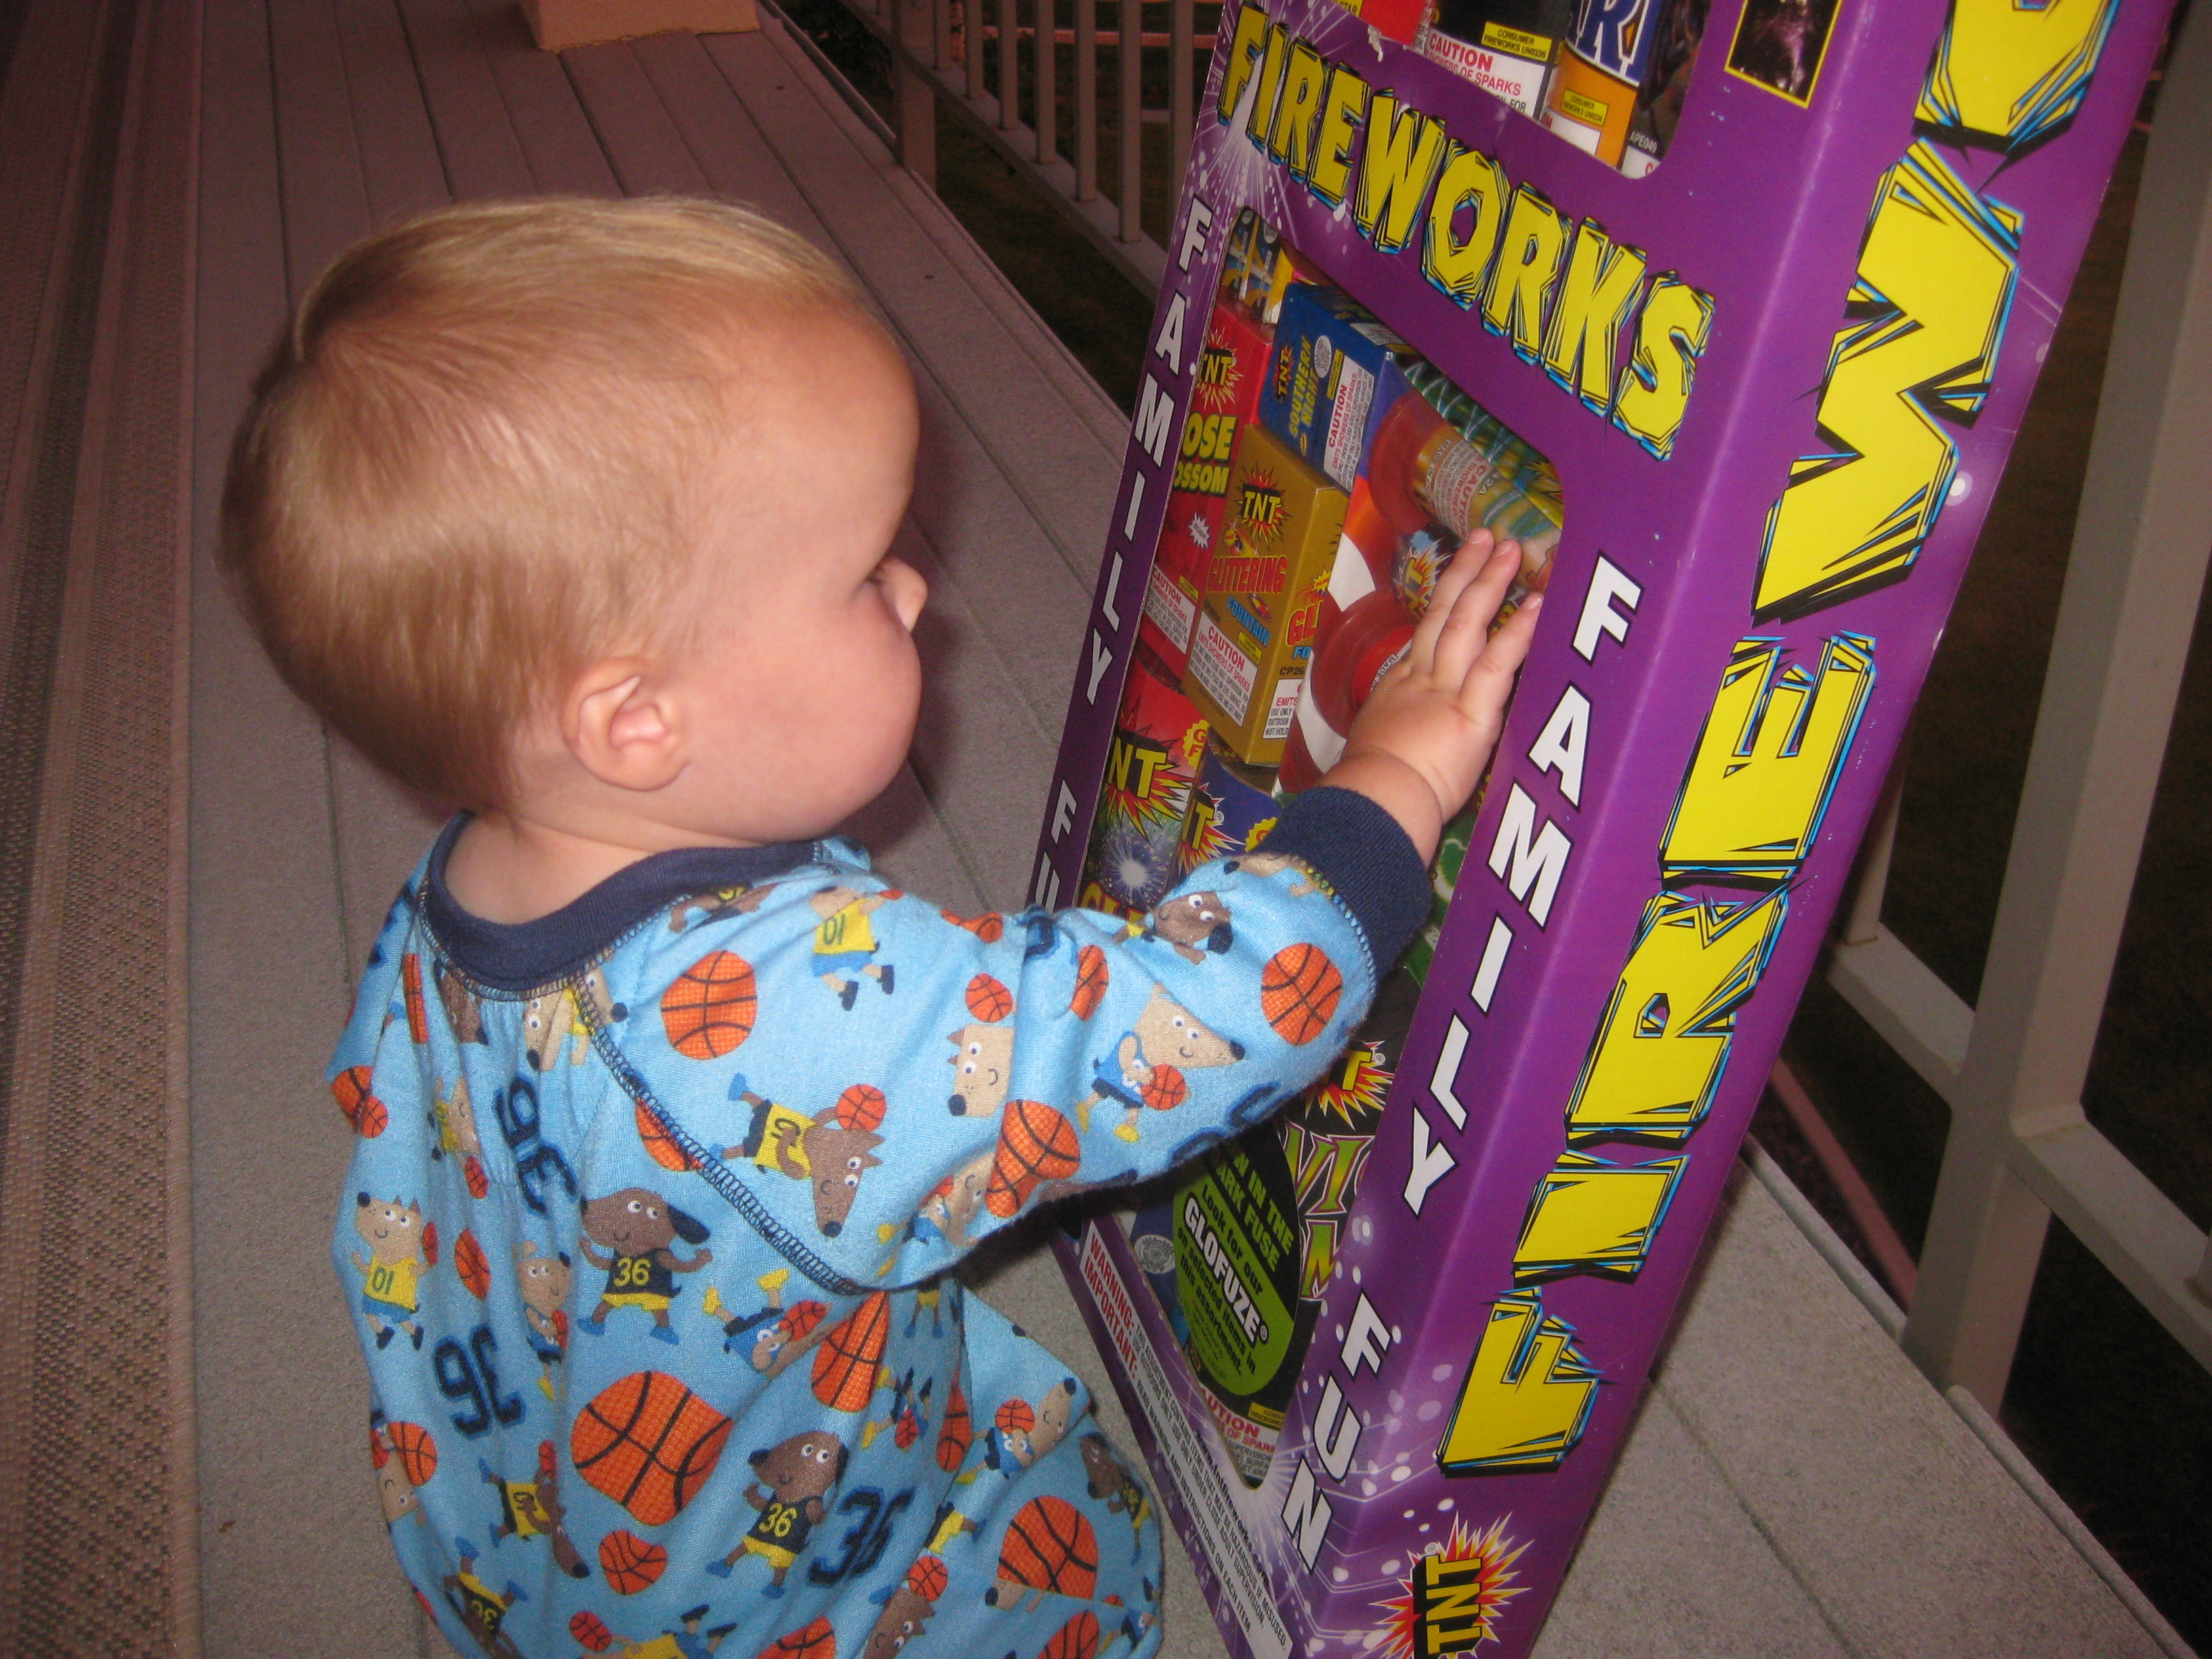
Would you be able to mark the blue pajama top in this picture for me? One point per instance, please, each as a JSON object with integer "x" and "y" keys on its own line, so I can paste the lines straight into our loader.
{"x": 651, "y": 1198}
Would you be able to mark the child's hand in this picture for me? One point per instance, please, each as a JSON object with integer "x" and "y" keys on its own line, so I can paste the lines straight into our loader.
{"x": 1419, "y": 746}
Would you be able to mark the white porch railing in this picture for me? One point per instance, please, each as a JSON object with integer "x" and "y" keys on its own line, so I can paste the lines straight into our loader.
{"x": 2021, "y": 1148}
{"x": 972, "y": 54}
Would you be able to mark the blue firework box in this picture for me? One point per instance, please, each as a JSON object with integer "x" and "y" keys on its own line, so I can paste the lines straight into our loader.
{"x": 1777, "y": 378}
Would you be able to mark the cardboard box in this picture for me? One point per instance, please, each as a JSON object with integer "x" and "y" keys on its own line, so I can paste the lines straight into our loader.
{"x": 1334, "y": 372}
{"x": 1224, "y": 398}
{"x": 1263, "y": 595}
{"x": 557, "y": 25}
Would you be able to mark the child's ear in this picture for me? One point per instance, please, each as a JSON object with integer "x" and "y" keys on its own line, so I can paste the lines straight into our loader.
{"x": 621, "y": 724}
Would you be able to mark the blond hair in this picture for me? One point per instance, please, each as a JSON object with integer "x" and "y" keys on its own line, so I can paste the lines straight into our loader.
{"x": 472, "y": 464}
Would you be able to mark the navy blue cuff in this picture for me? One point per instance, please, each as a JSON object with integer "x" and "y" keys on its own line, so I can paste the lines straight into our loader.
{"x": 1360, "y": 851}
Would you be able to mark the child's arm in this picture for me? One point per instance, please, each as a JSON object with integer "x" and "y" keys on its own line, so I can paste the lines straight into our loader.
{"x": 1419, "y": 746}
{"x": 952, "y": 1076}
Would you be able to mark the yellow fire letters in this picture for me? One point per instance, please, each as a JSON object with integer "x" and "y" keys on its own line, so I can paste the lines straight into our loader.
{"x": 1664, "y": 1036}
{"x": 1261, "y": 121}
{"x": 1454, "y": 263}
{"x": 1291, "y": 140}
{"x": 1527, "y": 1393}
{"x": 1770, "y": 753}
{"x": 2007, "y": 74}
{"x": 1599, "y": 291}
{"x": 1527, "y": 267}
{"x": 1926, "y": 312}
{"x": 1655, "y": 385}
{"x": 1244, "y": 54}
{"x": 1404, "y": 150}
{"x": 1343, "y": 112}
{"x": 1589, "y": 1216}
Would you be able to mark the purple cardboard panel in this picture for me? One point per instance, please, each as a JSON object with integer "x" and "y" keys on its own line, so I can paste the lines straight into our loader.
{"x": 1777, "y": 378}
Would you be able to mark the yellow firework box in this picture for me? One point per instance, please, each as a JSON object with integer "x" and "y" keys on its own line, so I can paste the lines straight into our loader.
{"x": 1263, "y": 591}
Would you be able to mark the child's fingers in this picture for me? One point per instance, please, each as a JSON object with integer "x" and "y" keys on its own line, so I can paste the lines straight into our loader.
{"x": 1489, "y": 679}
{"x": 1460, "y": 642}
{"x": 1466, "y": 568}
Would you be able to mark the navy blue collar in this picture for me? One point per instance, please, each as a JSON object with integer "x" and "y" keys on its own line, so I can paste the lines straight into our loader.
{"x": 522, "y": 955}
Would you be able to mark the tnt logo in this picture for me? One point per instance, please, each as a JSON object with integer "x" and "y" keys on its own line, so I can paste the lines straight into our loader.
{"x": 1451, "y": 1610}
{"x": 1260, "y": 506}
{"x": 1215, "y": 385}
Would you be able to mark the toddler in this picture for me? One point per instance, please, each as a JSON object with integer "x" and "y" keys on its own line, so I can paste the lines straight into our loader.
{"x": 672, "y": 1116}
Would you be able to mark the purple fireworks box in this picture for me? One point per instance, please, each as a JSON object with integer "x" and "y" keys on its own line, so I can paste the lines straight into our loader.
{"x": 1779, "y": 378}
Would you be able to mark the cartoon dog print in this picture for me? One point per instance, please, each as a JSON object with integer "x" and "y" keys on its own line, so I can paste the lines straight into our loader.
{"x": 398, "y": 1254}
{"x": 983, "y": 1062}
{"x": 1008, "y": 1449}
{"x": 395, "y": 1492}
{"x": 544, "y": 1281}
{"x": 682, "y": 1644}
{"x": 461, "y": 1010}
{"x": 780, "y": 1334}
{"x": 1110, "y": 1479}
{"x": 481, "y": 1608}
{"x": 532, "y": 1508}
{"x": 637, "y": 1226}
{"x": 951, "y": 1208}
{"x": 1166, "y": 1034}
{"x": 906, "y": 1612}
{"x": 800, "y": 1472}
{"x": 685, "y": 1643}
{"x": 844, "y": 942}
{"x": 818, "y": 1150}
{"x": 1195, "y": 924}
{"x": 740, "y": 900}
{"x": 908, "y": 1417}
{"x": 566, "y": 1017}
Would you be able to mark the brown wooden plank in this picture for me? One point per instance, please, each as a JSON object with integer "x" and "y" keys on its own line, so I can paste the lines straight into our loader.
{"x": 1045, "y": 446}
{"x": 564, "y": 154}
{"x": 38, "y": 108}
{"x": 399, "y": 147}
{"x": 641, "y": 142}
{"x": 325, "y": 199}
{"x": 476, "y": 142}
{"x": 729, "y": 149}
{"x": 286, "y": 1526}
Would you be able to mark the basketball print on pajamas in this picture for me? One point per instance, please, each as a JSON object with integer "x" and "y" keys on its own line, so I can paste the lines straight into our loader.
{"x": 630, "y": 1563}
{"x": 1091, "y": 981}
{"x": 817, "y": 1641}
{"x": 860, "y": 1109}
{"x": 988, "y": 1000}
{"x": 846, "y": 1364}
{"x": 1299, "y": 991}
{"x": 1035, "y": 1145}
{"x": 648, "y": 1443}
{"x": 710, "y": 1010}
{"x": 660, "y": 1146}
{"x": 362, "y": 1110}
{"x": 1076, "y": 1639}
{"x": 469, "y": 1262}
{"x": 955, "y": 1433}
{"x": 1048, "y": 1545}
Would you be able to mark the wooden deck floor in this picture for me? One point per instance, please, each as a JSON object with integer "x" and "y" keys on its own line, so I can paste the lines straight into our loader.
{"x": 1793, "y": 1487}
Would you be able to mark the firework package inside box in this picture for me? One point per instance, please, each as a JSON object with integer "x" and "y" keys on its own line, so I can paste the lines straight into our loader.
{"x": 1223, "y": 399}
{"x": 1237, "y": 1255}
{"x": 1158, "y": 739}
{"x": 1263, "y": 590}
{"x": 1418, "y": 1306}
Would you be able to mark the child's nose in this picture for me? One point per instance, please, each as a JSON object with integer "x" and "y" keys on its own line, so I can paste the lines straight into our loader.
{"x": 909, "y": 590}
